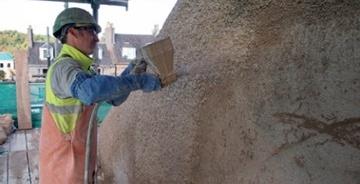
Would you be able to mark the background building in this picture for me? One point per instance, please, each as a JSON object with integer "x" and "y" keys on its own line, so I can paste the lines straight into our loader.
{"x": 7, "y": 65}
{"x": 112, "y": 57}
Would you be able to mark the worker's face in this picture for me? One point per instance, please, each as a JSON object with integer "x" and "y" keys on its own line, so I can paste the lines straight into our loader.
{"x": 85, "y": 38}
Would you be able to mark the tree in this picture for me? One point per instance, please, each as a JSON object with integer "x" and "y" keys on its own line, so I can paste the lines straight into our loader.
{"x": 11, "y": 41}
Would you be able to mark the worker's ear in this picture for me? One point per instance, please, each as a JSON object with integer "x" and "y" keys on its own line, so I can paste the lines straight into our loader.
{"x": 73, "y": 32}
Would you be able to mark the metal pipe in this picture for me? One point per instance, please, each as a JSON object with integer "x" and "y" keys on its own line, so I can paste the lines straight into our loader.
{"x": 88, "y": 143}
{"x": 48, "y": 47}
{"x": 95, "y": 7}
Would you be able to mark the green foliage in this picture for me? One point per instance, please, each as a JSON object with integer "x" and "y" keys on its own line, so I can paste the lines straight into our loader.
{"x": 43, "y": 38}
{"x": 11, "y": 41}
{"x": 2, "y": 75}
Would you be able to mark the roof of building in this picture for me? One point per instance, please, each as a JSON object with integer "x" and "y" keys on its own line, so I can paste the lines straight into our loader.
{"x": 121, "y": 40}
{"x": 34, "y": 54}
{"x": 105, "y": 58}
{"x": 136, "y": 41}
{"x": 6, "y": 56}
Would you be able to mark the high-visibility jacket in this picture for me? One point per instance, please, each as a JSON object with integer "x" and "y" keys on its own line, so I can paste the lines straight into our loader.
{"x": 64, "y": 126}
{"x": 65, "y": 111}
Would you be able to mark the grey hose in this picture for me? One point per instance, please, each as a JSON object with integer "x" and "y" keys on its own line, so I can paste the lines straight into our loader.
{"x": 88, "y": 141}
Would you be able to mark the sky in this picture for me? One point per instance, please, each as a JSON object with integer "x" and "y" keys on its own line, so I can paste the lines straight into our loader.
{"x": 140, "y": 17}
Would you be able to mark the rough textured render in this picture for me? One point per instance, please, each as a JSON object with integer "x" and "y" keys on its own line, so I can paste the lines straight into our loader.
{"x": 269, "y": 93}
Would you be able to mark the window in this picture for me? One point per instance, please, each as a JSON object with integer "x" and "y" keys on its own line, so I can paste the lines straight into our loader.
{"x": 1, "y": 65}
{"x": 100, "y": 52}
{"x": 9, "y": 65}
{"x": 45, "y": 50}
{"x": 44, "y": 53}
{"x": 129, "y": 52}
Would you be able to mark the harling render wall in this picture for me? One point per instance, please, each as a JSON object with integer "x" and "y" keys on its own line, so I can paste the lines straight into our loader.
{"x": 269, "y": 93}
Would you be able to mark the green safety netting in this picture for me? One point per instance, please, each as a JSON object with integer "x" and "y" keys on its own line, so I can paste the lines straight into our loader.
{"x": 37, "y": 92}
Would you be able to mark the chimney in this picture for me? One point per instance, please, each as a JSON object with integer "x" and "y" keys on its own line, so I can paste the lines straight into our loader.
{"x": 156, "y": 30}
{"x": 30, "y": 36}
{"x": 110, "y": 42}
{"x": 109, "y": 36}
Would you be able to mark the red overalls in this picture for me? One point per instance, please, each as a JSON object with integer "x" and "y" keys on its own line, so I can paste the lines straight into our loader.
{"x": 62, "y": 156}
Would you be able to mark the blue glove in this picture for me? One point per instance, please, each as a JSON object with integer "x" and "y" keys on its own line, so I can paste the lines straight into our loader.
{"x": 149, "y": 82}
{"x": 119, "y": 100}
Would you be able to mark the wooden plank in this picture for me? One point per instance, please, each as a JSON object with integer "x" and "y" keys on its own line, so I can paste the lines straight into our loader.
{"x": 32, "y": 139}
{"x": 4, "y": 157}
{"x": 19, "y": 164}
{"x": 22, "y": 90}
{"x": 4, "y": 168}
{"x": 33, "y": 156}
{"x": 18, "y": 167}
{"x": 17, "y": 141}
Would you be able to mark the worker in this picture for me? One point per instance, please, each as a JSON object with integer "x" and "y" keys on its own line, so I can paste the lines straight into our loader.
{"x": 71, "y": 92}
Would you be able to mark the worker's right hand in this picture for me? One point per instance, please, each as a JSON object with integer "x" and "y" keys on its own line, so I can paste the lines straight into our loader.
{"x": 140, "y": 66}
{"x": 149, "y": 82}
{"x": 128, "y": 69}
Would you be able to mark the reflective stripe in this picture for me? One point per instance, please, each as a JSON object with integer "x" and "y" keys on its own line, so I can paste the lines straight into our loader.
{"x": 74, "y": 109}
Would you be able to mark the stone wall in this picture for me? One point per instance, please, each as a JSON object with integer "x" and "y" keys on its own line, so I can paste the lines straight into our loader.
{"x": 268, "y": 93}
